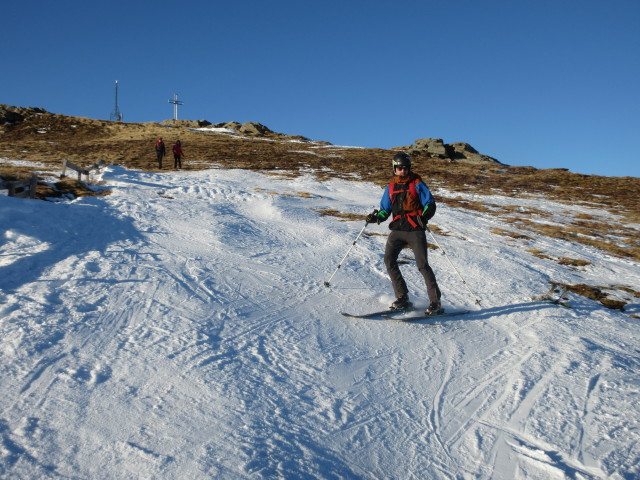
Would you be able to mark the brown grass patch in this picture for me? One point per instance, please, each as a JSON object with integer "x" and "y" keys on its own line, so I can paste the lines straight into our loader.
{"x": 510, "y": 233}
{"x": 597, "y": 294}
{"x": 539, "y": 253}
{"x": 573, "y": 262}
{"x": 459, "y": 202}
{"x": 67, "y": 187}
{"x": 438, "y": 231}
{"x": 557, "y": 295}
{"x": 628, "y": 247}
{"x": 342, "y": 216}
{"x": 630, "y": 290}
{"x": 287, "y": 193}
{"x": 520, "y": 211}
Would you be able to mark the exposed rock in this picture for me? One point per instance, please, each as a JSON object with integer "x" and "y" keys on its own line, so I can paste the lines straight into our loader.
{"x": 9, "y": 114}
{"x": 254, "y": 129}
{"x": 433, "y": 146}
{"x": 235, "y": 126}
{"x": 247, "y": 128}
{"x": 186, "y": 123}
{"x": 463, "y": 148}
{"x": 459, "y": 151}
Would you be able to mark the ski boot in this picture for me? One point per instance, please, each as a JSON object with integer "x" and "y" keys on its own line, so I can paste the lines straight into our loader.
{"x": 434, "y": 308}
{"x": 401, "y": 303}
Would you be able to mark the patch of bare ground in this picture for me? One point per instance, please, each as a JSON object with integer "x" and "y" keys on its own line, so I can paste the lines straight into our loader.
{"x": 438, "y": 231}
{"x": 510, "y": 234}
{"x": 340, "y": 215}
{"x": 69, "y": 188}
{"x": 572, "y": 262}
{"x": 288, "y": 193}
{"x": 610, "y": 237}
{"x": 596, "y": 293}
{"x": 607, "y": 296}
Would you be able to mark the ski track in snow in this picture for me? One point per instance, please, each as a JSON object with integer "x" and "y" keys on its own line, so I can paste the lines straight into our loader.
{"x": 180, "y": 328}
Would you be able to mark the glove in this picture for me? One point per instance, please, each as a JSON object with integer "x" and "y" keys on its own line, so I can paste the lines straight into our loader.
{"x": 428, "y": 213}
{"x": 373, "y": 217}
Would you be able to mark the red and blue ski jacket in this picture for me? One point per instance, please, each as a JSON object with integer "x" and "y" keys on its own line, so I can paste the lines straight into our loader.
{"x": 405, "y": 198}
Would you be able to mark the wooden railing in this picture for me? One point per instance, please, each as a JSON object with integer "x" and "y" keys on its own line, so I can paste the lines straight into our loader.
{"x": 81, "y": 171}
{"x": 27, "y": 188}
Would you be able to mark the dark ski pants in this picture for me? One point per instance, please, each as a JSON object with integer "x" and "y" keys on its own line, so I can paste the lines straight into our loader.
{"x": 417, "y": 241}
{"x": 159, "y": 155}
{"x": 177, "y": 161}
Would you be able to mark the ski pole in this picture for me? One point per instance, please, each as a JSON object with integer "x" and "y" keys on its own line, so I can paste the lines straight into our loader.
{"x": 452, "y": 265}
{"x": 328, "y": 282}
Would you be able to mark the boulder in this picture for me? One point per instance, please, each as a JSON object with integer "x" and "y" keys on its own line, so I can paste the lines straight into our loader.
{"x": 463, "y": 148}
{"x": 459, "y": 151}
{"x": 433, "y": 146}
{"x": 254, "y": 129}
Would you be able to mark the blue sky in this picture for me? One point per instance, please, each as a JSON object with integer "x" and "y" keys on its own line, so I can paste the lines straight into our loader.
{"x": 543, "y": 83}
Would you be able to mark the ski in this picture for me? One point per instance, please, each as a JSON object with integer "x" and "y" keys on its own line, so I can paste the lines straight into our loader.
{"x": 422, "y": 316}
{"x": 382, "y": 313}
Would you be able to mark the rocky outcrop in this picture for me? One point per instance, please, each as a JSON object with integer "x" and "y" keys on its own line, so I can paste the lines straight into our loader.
{"x": 250, "y": 129}
{"x": 254, "y": 129}
{"x": 9, "y": 114}
{"x": 433, "y": 146}
{"x": 186, "y": 123}
{"x": 459, "y": 151}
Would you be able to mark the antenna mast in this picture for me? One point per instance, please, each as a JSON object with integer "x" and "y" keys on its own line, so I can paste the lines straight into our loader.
{"x": 175, "y": 106}
{"x": 116, "y": 115}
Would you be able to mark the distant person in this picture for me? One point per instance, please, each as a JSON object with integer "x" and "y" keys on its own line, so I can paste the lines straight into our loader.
{"x": 177, "y": 154}
{"x": 160, "y": 152}
{"x": 409, "y": 202}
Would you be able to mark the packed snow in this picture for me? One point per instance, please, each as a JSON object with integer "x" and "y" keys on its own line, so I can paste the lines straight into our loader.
{"x": 181, "y": 328}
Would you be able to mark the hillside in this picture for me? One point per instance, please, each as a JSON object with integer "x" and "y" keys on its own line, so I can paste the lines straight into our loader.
{"x": 34, "y": 137}
{"x": 47, "y": 138}
{"x": 179, "y": 327}
{"x": 176, "y": 324}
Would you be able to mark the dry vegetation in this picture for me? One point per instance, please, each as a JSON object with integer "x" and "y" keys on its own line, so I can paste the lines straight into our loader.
{"x": 509, "y": 233}
{"x": 47, "y": 139}
{"x": 342, "y": 216}
{"x": 287, "y": 193}
{"x": 596, "y": 293}
{"x": 572, "y": 262}
{"x": 606, "y": 296}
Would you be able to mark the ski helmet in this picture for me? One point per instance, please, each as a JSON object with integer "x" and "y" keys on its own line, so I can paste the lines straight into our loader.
{"x": 401, "y": 159}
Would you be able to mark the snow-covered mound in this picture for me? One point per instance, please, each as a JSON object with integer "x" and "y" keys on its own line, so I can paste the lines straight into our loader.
{"x": 180, "y": 328}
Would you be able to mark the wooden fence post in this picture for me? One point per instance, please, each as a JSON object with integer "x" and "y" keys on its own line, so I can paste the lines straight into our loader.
{"x": 81, "y": 171}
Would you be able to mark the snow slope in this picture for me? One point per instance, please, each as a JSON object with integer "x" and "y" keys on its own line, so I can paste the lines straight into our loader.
{"x": 180, "y": 328}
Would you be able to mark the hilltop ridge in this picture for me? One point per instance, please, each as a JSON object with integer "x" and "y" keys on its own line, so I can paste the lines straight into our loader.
{"x": 34, "y": 135}
{"x": 42, "y": 136}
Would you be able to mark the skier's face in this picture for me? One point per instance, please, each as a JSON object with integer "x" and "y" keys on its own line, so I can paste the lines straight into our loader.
{"x": 402, "y": 171}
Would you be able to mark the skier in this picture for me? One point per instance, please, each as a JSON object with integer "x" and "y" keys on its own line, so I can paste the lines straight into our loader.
{"x": 177, "y": 154}
{"x": 160, "y": 152}
{"x": 410, "y": 203}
